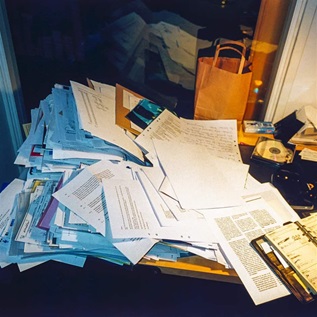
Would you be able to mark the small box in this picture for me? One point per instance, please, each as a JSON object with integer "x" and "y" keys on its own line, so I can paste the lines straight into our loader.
{"x": 251, "y": 126}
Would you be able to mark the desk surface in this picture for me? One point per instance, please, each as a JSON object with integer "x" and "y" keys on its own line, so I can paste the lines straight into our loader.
{"x": 199, "y": 267}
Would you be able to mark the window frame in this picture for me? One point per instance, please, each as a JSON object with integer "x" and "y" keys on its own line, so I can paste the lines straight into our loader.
{"x": 293, "y": 41}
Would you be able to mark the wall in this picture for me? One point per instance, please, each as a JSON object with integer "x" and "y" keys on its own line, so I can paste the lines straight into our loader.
{"x": 303, "y": 90}
{"x": 295, "y": 85}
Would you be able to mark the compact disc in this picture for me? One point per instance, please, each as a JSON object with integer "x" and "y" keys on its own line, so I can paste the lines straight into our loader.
{"x": 272, "y": 150}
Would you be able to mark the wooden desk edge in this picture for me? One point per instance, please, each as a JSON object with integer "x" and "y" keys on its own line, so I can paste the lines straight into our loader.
{"x": 197, "y": 267}
{"x": 251, "y": 139}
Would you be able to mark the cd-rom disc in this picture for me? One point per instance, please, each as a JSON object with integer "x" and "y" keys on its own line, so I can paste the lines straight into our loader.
{"x": 272, "y": 150}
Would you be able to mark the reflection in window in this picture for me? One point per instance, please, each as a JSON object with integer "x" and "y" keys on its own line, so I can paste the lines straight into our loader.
{"x": 149, "y": 46}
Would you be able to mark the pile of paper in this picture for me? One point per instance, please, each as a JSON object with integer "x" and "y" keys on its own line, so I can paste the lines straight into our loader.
{"x": 308, "y": 133}
{"x": 90, "y": 191}
{"x": 57, "y": 139}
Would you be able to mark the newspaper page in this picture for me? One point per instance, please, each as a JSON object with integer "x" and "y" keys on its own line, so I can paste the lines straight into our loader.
{"x": 235, "y": 228}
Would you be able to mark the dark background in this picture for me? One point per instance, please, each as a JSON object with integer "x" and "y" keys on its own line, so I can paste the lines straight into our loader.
{"x": 102, "y": 289}
{"x": 57, "y": 41}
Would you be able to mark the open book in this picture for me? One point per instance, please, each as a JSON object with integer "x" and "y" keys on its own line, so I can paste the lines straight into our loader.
{"x": 291, "y": 251}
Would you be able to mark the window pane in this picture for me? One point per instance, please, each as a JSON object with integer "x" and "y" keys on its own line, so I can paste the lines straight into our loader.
{"x": 148, "y": 46}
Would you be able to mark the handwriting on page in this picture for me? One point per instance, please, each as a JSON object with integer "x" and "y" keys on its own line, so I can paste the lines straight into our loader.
{"x": 217, "y": 135}
{"x": 310, "y": 224}
{"x": 298, "y": 249}
{"x": 220, "y": 136}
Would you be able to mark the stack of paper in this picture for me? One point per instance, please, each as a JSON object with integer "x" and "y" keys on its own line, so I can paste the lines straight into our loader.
{"x": 88, "y": 192}
{"x": 66, "y": 133}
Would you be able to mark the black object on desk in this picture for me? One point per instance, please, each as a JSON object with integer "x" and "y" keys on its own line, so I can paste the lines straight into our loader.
{"x": 261, "y": 172}
{"x": 296, "y": 181}
{"x": 299, "y": 191}
{"x": 287, "y": 127}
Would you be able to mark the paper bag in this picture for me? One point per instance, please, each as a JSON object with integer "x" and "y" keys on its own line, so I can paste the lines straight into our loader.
{"x": 222, "y": 85}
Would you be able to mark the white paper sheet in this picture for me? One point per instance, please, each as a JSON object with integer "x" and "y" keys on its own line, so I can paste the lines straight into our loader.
{"x": 135, "y": 249}
{"x": 96, "y": 113}
{"x": 235, "y": 228}
{"x": 165, "y": 190}
{"x": 7, "y": 198}
{"x": 84, "y": 196}
{"x": 198, "y": 178}
{"x": 160, "y": 208}
{"x": 131, "y": 216}
{"x": 220, "y": 136}
{"x": 130, "y": 212}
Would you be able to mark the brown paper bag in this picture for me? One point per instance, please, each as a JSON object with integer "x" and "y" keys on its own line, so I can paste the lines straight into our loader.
{"x": 222, "y": 85}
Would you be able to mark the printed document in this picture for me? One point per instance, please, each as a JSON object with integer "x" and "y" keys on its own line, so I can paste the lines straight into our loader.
{"x": 235, "y": 228}
{"x": 135, "y": 214}
{"x": 132, "y": 216}
{"x": 84, "y": 196}
{"x": 96, "y": 113}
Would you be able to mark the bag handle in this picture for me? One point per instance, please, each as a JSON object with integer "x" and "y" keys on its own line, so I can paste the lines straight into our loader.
{"x": 225, "y": 42}
{"x": 242, "y": 60}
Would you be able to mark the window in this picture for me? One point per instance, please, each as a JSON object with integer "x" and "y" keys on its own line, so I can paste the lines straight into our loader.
{"x": 121, "y": 41}
{"x": 149, "y": 46}
{"x": 57, "y": 41}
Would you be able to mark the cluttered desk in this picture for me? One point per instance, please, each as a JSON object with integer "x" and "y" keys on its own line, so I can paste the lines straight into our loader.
{"x": 198, "y": 267}
{"x": 178, "y": 194}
